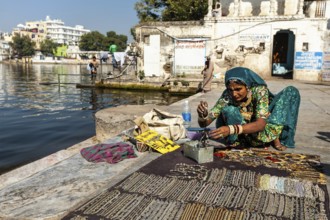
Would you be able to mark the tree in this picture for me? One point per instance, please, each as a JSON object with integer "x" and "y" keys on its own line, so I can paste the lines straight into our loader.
{"x": 149, "y": 10}
{"x": 48, "y": 47}
{"x": 120, "y": 40}
{"x": 185, "y": 10}
{"x": 95, "y": 41}
{"x": 22, "y": 45}
{"x": 171, "y": 10}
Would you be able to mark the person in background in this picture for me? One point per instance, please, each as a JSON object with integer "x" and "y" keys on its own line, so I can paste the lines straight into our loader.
{"x": 248, "y": 115}
{"x": 93, "y": 65}
{"x": 112, "y": 50}
{"x": 207, "y": 73}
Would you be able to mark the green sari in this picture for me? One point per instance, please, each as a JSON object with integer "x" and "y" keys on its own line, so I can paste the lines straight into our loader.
{"x": 280, "y": 111}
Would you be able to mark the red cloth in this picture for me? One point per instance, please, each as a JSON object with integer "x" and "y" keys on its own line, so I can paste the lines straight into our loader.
{"x": 110, "y": 153}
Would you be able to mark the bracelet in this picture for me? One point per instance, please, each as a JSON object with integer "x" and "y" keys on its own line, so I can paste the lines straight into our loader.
{"x": 240, "y": 129}
{"x": 231, "y": 129}
{"x": 235, "y": 129}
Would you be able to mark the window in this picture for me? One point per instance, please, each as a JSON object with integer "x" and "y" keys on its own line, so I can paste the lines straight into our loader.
{"x": 146, "y": 39}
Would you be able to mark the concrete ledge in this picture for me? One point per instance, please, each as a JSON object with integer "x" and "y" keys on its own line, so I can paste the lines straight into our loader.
{"x": 30, "y": 169}
{"x": 112, "y": 121}
{"x": 54, "y": 192}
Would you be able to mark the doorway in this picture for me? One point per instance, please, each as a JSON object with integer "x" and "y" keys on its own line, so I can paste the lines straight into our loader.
{"x": 283, "y": 54}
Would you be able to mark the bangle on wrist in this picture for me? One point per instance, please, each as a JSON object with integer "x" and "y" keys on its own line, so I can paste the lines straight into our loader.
{"x": 235, "y": 129}
{"x": 231, "y": 129}
{"x": 240, "y": 129}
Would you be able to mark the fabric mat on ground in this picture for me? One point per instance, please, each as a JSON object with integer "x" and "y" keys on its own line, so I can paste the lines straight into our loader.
{"x": 176, "y": 187}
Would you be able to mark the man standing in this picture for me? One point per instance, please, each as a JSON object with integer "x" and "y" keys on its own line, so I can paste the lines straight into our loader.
{"x": 207, "y": 73}
{"x": 112, "y": 50}
{"x": 93, "y": 65}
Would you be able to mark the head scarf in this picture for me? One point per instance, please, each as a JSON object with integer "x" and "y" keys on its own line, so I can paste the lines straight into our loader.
{"x": 245, "y": 75}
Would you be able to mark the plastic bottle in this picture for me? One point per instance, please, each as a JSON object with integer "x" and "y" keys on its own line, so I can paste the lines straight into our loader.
{"x": 186, "y": 114}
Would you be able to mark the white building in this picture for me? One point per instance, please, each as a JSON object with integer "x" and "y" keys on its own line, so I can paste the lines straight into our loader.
{"x": 286, "y": 38}
{"x": 4, "y": 50}
{"x": 59, "y": 33}
{"x": 51, "y": 29}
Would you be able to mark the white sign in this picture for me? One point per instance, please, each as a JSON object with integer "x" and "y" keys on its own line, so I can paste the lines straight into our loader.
{"x": 254, "y": 34}
{"x": 189, "y": 56}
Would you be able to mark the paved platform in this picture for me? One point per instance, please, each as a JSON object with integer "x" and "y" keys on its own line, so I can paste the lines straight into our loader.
{"x": 51, "y": 187}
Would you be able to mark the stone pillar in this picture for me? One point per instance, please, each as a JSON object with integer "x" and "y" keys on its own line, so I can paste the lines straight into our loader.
{"x": 209, "y": 13}
{"x": 236, "y": 7}
{"x": 273, "y": 7}
{"x": 291, "y": 7}
{"x": 300, "y": 9}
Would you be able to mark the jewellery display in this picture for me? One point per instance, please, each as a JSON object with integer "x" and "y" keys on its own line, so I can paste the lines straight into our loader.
{"x": 299, "y": 166}
{"x": 196, "y": 192}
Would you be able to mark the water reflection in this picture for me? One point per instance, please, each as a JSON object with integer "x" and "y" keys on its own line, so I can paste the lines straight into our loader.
{"x": 37, "y": 120}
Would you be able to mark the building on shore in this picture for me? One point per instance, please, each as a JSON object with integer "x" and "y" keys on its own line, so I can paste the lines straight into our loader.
{"x": 286, "y": 38}
{"x": 53, "y": 29}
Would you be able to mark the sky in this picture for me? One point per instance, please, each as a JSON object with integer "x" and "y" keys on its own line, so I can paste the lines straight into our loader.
{"x": 96, "y": 15}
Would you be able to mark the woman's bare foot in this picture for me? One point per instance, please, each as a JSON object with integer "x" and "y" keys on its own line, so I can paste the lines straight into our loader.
{"x": 278, "y": 146}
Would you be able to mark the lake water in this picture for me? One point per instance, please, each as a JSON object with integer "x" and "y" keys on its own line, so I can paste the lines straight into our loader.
{"x": 37, "y": 120}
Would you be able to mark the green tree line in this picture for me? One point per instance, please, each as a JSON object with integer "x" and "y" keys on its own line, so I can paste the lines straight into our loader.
{"x": 23, "y": 46}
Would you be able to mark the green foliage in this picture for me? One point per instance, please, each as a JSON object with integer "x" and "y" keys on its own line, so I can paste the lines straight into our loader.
{"x": 22, "y": 46}
{"x": 95, "y": 41}
{"x": 175, "y": 83}
{"x": 171, "y": 10}
{"x": 141, "y": 74}
{"x": 149, "y": 10}
{"x": 92, "y": 41}
{"x": 48, "y": 47}
{"x": 119, "y": 40}
{"x": 185, "y": 10}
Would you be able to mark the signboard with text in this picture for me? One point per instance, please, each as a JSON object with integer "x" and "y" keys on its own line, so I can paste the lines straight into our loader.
{"x": 189, "y": 56}
{"x": 308, "y": 60}
{"x": 254, "y": 34}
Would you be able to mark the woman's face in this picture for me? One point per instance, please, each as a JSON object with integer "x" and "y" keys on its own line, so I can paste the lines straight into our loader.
{"x": 237, "y": 91}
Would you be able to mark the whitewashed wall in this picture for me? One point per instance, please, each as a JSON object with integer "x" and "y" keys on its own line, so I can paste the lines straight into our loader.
{"x": 227, "y": 34}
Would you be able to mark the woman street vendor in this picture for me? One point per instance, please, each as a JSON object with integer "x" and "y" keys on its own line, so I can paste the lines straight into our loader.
{"x": 248, "y": 115}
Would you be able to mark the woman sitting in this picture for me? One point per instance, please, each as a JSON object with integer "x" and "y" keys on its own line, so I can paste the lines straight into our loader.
{"x": 248, "y": 113}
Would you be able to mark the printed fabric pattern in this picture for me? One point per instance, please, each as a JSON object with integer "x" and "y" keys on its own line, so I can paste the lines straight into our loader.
{"x": 110, "y": 153}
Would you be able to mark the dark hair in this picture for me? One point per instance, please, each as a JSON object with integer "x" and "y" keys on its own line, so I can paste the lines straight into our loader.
{"x": 237, "y": 81}
{"x": 94, "y": 57}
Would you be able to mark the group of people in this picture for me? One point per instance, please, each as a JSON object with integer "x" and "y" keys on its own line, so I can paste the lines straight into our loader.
{"x": 94, "y": 64}
{"x": 248, "y": 114}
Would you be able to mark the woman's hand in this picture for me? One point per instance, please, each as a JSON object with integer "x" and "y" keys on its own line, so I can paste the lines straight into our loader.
{"x": 202, "y": 109}
{"x": 221, "y": 132}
